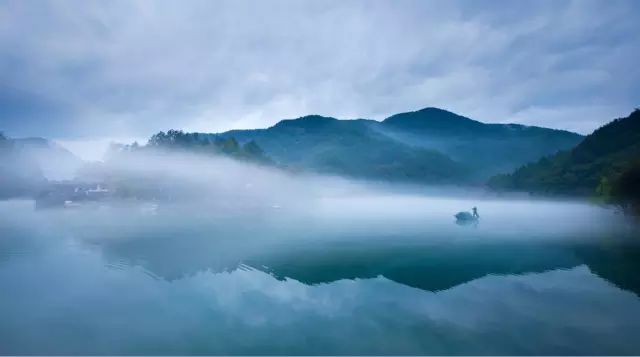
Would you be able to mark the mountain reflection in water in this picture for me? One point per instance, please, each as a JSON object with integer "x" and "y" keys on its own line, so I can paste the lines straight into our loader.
{"x": 190, "y": 282}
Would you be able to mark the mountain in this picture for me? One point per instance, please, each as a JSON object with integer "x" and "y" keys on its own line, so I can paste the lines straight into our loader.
{"x": 56, "y": 162}
{"x": 429, "y": 146}
{"x": 486, "y": 149}
{"x": 604, "y": 163}
{"x": 355, "y": 148}
{"x": 26, "y": 165}
{"x": 20, "y": 175}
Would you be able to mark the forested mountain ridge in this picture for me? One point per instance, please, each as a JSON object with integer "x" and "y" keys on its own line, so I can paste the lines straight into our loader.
{"x": 485, "y": 149}
{"x": 428, "y": 146}
{"x": 353, "y": 148}
{"x": 177, "y": 140}
{"x": 603, "y": 164}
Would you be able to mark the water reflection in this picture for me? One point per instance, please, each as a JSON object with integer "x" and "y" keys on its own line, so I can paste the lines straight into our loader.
{"x": 429, "y": 267}
{"x": 84, "y": 283}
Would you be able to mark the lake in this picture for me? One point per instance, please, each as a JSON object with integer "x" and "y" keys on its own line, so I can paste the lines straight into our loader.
{"x": 362, "y": 273}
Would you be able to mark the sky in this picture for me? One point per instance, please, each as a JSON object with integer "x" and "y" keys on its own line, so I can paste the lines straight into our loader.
{"x": 89, "y": 72}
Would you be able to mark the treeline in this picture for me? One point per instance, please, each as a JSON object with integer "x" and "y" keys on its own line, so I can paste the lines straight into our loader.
{"x": 130, "y": 176}
{"x": 606, "y": 164}
{"x": 198, "y": 143}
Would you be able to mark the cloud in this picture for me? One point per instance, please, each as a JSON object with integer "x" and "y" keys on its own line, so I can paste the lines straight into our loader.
{"x": 73, "y": 70}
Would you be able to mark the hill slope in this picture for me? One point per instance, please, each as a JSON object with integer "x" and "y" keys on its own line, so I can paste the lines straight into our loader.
{"x": 20, "y": 175}
{"x": 350, "y": 147}
{"x": 486, "y": 149}
{"x": 429, "y": 145}
{"x": 56, "y": 162}
{"x": 593, "y": 165}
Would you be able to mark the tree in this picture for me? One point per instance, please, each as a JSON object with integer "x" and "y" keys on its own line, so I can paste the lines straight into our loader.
{"x": 604, "y": 188}
{"x": 626, "y": 189}
{"x": 252, "y": 149}
{"x": 229, "y": 146}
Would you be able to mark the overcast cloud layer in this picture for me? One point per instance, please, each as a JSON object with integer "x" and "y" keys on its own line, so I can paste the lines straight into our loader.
{"x": 84, "y": 70}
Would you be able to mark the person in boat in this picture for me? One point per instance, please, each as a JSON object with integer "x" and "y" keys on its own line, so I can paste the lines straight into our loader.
{"x": 475, "y": 212}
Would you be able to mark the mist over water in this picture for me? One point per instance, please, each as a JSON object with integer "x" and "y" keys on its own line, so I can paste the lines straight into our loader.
{"x": 245, "y": 259}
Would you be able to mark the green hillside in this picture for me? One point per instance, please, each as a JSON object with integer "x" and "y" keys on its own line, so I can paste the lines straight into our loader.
{"x": 486, "y": 149}
{"x": 429, "y": 146}
{"x": 354, "y": 148}
{"x": 594, "y": 167}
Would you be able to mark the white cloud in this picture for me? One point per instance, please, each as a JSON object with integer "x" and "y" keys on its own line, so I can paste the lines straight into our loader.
{"x": 132, "y": 68}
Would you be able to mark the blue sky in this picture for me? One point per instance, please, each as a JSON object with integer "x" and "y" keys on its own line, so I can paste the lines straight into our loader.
{"x": 97, "y": 70}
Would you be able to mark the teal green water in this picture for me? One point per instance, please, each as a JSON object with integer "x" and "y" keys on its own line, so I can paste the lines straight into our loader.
{"x": 376, "y": 274}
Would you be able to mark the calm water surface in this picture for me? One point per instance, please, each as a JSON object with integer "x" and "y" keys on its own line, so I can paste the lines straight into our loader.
{"x": 364, "y": 274}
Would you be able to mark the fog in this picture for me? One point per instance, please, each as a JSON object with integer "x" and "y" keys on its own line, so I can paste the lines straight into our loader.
{"x": 200, "y": 254}
{"x": 223, "y": 215}
{"x": 166, "y": 202}
{"x": 184, "y": 186}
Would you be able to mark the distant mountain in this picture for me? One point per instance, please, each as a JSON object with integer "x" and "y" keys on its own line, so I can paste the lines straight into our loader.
{"x": 604, "y": 163}
{"x": 430, "y": 146}
{"x": 56, "y": 162}
{"x": 356, "y": 148}
{"x": 486, "y": 149}
{"x": 20, "y": 175}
